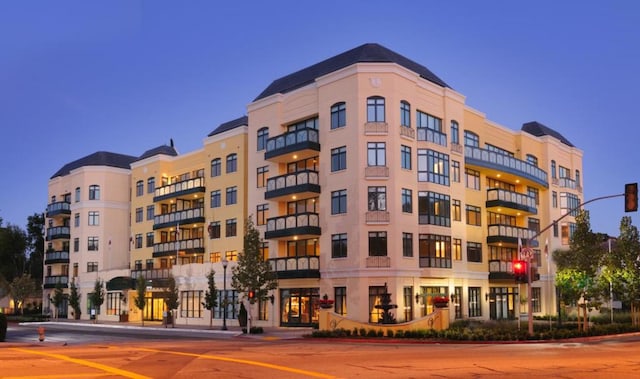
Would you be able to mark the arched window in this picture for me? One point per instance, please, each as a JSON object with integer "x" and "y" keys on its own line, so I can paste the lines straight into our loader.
{"x": 216, "y": 167}
{"x": 263, "y": 136}
{"x": 471, "y": 139}
{"x": 77, "y": 194}
{"x": 405, "y": 114}
{"x": 455, "y": 132}
{"x": 232, "y": 163}
{"x": 553, "y": 169}
{"x": 578, "y": 178}
{"x": 139, "y": 188}
{"x": 532, "y": 159}
{"x": 375, "y": 109}
{"x": 94, "y": 192}
{"x": 151, "y": 185}
{"x": 338, "y": 115}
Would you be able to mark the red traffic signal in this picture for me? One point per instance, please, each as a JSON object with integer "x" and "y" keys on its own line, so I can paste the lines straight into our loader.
{"x": 520, "y": 271}
{"x": 631, "y": 197}
{"x": 252, "y": 294}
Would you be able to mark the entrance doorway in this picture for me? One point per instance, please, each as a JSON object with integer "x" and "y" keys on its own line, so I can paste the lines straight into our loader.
{"x": 502, "y": 303}
{"x": 299, "y": 306}
{"x": 154, "y": 306}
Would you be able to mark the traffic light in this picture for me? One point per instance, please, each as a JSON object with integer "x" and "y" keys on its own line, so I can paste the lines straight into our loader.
{"x": 520, "y": 271}
{"x": 252, "y": 294}
{"x": 631, "y": 197}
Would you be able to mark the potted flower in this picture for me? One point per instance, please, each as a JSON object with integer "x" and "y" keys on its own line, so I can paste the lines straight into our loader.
{"x": 325, "y": 302}
{"x": 441, "y": 301}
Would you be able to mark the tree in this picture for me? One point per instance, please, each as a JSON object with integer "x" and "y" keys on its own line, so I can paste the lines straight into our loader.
{"x": 21, "y": 288}
{"x": 74, "y": 300}
{"x": 141, "y": 293}
{"x": 625, "y": 275}
{"x": 35, "y": 247}
{"x": 97, "y": 297}
{"x": 13, "y": 243}
{"x": 211, "y": 296}
{"x": 58, "y": 298}
{"x": 171, "y": 297}
{"x": 253, "y": 272}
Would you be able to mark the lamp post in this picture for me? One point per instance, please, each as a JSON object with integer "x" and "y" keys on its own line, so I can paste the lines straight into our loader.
{"x": 225, "y": 262}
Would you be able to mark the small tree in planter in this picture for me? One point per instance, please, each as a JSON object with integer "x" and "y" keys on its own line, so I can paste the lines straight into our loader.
{"x": 97, "y": 297}
{"x": 171, "y": 299}
{"x": 74, "y": 300}
{"x": 141, "y": 293}
{"x": 58, "y": 298}
{"x": 210, "y": 299}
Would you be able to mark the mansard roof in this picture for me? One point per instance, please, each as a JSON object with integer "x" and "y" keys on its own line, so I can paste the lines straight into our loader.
{"x": 367, "y": 53}
{"x": 240, "y": 121}
{"x": 537, "y": 129}
{"x": 160, "y": 150}
{"x": 100, "y": 158}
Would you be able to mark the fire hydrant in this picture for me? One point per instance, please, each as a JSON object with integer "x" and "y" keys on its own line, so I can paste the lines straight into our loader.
{"x": 41, "y": 333}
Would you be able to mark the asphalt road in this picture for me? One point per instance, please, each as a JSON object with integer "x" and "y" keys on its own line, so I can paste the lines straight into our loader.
{"x": 216, "y": 354}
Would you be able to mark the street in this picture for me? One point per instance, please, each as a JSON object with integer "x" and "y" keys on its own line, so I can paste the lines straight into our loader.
{"x": 140, "y": 354}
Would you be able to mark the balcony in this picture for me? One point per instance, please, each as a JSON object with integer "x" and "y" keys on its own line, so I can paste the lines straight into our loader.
{"x": 376, "y": 172}
{"x": 304, "y": 184}
{"x": 407, "y": 132}
{"x": 434, "y": 262}
{"x": 305, "y": 143}
{"x": 378, "y": 262}
{"x": 568, "y": 183}
{"x": 457, "y": 148}
{"x": 51, "y": 257}
{"x": 509, "y": 234}
{"x": 296, "y": 267}
{"x": 185, "y": 187}
{"x": 58, "y": 232}
{"x": 509, "y": 200}
{"x": 172, "y": 248}
{"x": 187, "y": 216}
{"x": 303, "y": 225}
{"x": 157, "y": 277}
{"x": 52, "y": 281}
{"x": 433, "y": 136}
{"x": 376, "y": 128}
{"x": 58, "y": 208}
{"x": 377, "y": 217}
{"x": 476, "y": 156}
{"x": 500, "y": 270}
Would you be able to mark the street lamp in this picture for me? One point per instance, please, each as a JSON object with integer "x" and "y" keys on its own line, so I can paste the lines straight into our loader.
{"x": 225, "y": 262}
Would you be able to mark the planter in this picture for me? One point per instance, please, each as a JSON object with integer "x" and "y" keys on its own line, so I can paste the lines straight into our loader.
{"x": 124, "y": 318}
{"x": 441, "y": 305}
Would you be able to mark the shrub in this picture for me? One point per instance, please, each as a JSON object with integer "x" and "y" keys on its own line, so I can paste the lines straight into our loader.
{"x": 400, "y": 334}
{"x": 363, "y": 332}
{"x": 371, "y": 333}
{"x": 256, "y": 330}
{"x": 3, "y": 327}
{"x": 390, "y": 333}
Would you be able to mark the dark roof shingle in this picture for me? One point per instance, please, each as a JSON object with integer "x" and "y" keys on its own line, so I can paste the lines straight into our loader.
{"x": 100, "y": 158}
{"x": 240, "y": 121}
{"x": 370, "y": 52}
{"x": 164, "y": 150}
{"x": 537, "y": 129}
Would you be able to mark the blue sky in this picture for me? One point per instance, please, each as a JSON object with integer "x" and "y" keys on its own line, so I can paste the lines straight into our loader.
{"x": 78, "y": 77}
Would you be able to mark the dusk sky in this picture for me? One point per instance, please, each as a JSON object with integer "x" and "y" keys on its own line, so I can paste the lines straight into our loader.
{"x": 78, "y": 77}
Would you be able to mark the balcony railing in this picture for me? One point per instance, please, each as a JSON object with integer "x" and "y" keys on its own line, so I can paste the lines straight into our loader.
{"x": 377, "y": 217}
{"x": 302, "y": 139}
{"x": 296, "y": 267}
{"x": 154, "y": 273}
{"x": 307, "y": 223}
{"x": 52, "y": 281}
{"x": 184, "y": 187}
{"x": 435, "y": 262}
{"x": 296, "y": 182}
{"x": 500, "y": 270}
{"x": 567, "y": 183}
{"x": 376, "y": 172}
{"x": 164, "y": 249}
{"x": 509, "y": 234}
{"x": 376, "y": 128}
{"x": 57, "y": 208}
{"x": 434, "y": 136}
{"x": 58, "y": 232}
{"x": 502, "y": 162}
{"x": 408, "y": 132}
{"x": 378, "y": 262}
{"x": 457, "y": 148}
{"x": 187, "y": 216}
{"x": 497, "y": 197}
{"x": 51, "y": 257}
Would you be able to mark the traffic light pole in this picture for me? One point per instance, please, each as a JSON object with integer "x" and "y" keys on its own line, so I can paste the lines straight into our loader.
{"x": 530, "y": 243}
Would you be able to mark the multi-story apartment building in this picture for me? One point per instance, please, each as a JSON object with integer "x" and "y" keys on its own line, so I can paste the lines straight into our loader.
{"x": 364, "y": 173}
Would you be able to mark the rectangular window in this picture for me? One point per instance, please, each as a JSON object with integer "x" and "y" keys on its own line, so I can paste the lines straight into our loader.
{"x": 377, "y": 198}
{"x": 138, "y": 241}
{"x": 569, "y": 201}
{"x": 149, "y": 239}
{"x": 475, "y": 307}
{"x": 150, "y": 212}
{"x": 536, "y": 296}
{"x": 339, "y": 245}
{"x": 216, "y": 167}
{"x": 455, "y": 171}
{"x": 407, "y": 244}
{"x": 76, "y": 220}
{"x": 405, "y": 114}
{"x": 75, "y": 270}
{"x": 151, "y": 185}
{"x": 405, "y": 157}
{"x": 191, "y": 304}
{"x": 425, "y": 120}
{"x": 232, "y": 195}
{"x": 434, "y": 209}
{"x": 434, "y": 250}
{"x": 456, "y": 249}
{"x": 139, "y": 214}
{"x": 92, "y": 266}
{"x": 94, "y": 192}
{"x": 94, "y": 218}
{"x": 375, "y": 298}
{"x": 376, "y": 154}
{"x": 214, "y": 229}
{"x": 339, "y": 202}
{"x": 113, "y": 303}
{"x": 232, "y": 163}
{"x": 338, "y": 158}
{"x": 473, "y": 178}
{"x": 554, "y": 199}
{"x": 433, "y": 167}
{"x": 456, "y": 210}
{"x": 148, "y": 265}
{"x": 407, "y": 296}
{"x": 338, "y": 115}
{"x": 262, "y": 212}
{"x": 375, "y": 109}
{"x": 230, "y": 230}
{"x": 407, "y": 200}
{"x": 262, "y": 175}
{"x": 92, "y": 243}
{"x": 139, "y": 188}
{"x": 377, "y": 244}
{"x": 215, "y": 199}
{"x": 76, "y": 245}
{"x": 340, "y": 296}
{"x": 473, "y": 215}
{"x": 474, "y": 252}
